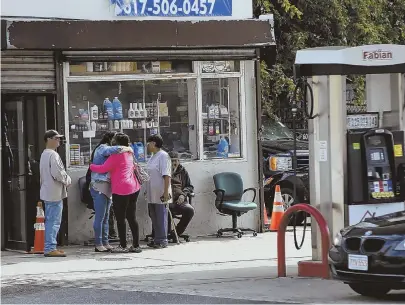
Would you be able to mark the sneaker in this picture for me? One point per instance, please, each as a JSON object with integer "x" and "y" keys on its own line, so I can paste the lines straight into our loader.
{"x": 120, "y": 249}
{"x": 55, "y": 253}
{"x": 135, "y": 249}
{"x": 101, "y": 249}
{"x": 159, "y": 246}
{"x": 108, "y": 247}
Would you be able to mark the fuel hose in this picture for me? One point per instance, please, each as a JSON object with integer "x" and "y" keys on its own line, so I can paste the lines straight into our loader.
{"x": 304, "y": 88}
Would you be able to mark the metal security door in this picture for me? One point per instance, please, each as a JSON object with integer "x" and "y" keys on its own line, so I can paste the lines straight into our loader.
{"x": 22, "y": 137}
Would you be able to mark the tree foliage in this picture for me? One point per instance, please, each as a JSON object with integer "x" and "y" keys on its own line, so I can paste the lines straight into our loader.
{"x": 303, "y": 24}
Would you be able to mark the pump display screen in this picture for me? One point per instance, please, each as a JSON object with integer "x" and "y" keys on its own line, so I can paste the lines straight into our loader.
{"x": 377, "y": 155}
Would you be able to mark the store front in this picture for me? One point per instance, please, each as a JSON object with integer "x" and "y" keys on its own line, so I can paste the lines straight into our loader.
{"x": 201, "y": 96}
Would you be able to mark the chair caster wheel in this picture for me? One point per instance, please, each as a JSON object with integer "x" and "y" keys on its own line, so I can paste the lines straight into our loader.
{"x": 187, "y": 239}
{"x": 254, "y": 234}
{"x": 219, "y": 235}
{"x": 240, "y": 235}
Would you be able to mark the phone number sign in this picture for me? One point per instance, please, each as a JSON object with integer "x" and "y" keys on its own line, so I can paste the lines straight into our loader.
{"x": 173, "y": 8}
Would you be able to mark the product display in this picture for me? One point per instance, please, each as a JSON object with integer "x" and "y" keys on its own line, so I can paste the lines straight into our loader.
{"x": 141, "y": 108}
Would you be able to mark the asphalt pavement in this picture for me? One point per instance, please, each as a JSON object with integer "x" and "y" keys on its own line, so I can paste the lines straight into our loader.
{"x": 204, "y": 271}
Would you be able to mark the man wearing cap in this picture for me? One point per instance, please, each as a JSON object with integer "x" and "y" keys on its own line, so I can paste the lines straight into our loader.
{"x": 54, "y": 183}
{"x": 181, "y": 188}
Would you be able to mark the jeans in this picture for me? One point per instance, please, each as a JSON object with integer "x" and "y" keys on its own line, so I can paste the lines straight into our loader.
{"x": 53, "y": 219}
{"x": 125, "y": 208}
{"x": 102, "y": 206}
{"x": 158, "y": 215}
{"x": 186, "y": 211}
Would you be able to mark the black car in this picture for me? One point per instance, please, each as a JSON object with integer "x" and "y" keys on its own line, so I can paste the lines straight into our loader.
{"x": 278, "y": 149}
{"x": 370, "y": 256}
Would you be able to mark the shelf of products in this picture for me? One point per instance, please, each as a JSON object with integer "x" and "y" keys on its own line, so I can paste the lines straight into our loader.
{"x": 150, "y": 113}
{"x": 220, "y": 118}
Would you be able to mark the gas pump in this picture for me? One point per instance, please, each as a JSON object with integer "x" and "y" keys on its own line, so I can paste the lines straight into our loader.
{"x": 375, "y": 158}
{"x": 355, "y": 172}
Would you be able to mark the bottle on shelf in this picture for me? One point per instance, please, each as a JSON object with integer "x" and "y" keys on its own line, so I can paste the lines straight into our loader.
{"x": 94, "y": 113}
{"x": 136, "y": 110}
{"x": 211, "y": 128}
{"x": 108, "y": 108}
{"x": 141, "y": 111}
{"x": 131, "y": 111}
{"x": 116, "y": 124}
{"x": 130, "y": 124}
{"x": 101, "y": 113}
{"x": 211, "y": 111}
{"x": 93, "y": 126}
{"x": 216, "y": 111}
{"x": 217, "y": 128}
{"x": 117, "y": 109}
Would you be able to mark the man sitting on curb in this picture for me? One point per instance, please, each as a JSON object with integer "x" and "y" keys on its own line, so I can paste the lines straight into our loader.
{"x": 181, "y": 188}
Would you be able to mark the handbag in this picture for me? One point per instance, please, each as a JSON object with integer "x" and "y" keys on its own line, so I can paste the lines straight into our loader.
{"x": 140, "y": 173}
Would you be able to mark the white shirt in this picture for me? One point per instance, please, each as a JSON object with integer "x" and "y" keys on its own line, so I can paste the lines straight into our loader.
{"x": 158, "y": 166}
{"x": 54, "y": 179}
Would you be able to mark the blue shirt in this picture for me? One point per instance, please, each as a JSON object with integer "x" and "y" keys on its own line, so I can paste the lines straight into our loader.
{"x": 100, "y": 156}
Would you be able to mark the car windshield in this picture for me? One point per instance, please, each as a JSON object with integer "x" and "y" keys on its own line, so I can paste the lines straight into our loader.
{"x": 274, "y": 130}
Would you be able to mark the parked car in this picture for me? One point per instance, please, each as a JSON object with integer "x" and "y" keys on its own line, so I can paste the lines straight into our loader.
{"x": 370, "y": 256}
{"x": 278, "y": 149}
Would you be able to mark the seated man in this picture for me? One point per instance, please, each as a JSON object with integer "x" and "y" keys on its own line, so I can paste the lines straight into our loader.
{"x": 181, "y": 187}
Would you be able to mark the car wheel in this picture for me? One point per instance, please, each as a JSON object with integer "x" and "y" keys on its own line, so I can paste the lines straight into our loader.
{"x": 368, "y": 290}
{"x": 288, "y": 197}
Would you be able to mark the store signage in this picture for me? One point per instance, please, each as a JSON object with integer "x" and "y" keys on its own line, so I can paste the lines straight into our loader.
{"x": 362, "y": 121}
{"x": 173, "y": 8}
{"x": 377, "y": 55}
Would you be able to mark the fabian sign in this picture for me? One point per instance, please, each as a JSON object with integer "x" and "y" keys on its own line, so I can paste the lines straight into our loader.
{"x": 377, "y": 55}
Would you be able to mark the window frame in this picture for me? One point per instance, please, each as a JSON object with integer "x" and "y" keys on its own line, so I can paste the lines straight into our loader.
{"x": 196, "y": 74}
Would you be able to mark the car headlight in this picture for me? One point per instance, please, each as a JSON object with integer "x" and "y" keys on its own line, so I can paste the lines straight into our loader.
{"x": 280, "y": 163}
{"x": 400, "y": 246}
{"x": 337, "y": 241}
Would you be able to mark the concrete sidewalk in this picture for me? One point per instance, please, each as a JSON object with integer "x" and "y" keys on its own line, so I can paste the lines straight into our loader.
{"x": 202, "y": 254}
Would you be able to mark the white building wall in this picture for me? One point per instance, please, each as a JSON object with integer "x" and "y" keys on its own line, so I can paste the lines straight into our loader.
{"x": 98, "y": 10}
{"x": 206, "y": 220}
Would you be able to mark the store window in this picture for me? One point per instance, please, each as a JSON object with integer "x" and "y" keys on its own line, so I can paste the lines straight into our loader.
{"x": 221, "y": 118}
{"x": 138, "y": 108}
{"x": 156, "y": 97}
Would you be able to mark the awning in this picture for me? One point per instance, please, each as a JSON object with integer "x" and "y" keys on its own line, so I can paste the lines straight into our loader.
{"x": 136, "y": 34}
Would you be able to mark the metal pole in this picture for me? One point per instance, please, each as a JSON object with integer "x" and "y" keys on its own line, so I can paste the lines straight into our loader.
{"x": 294, "y": 157}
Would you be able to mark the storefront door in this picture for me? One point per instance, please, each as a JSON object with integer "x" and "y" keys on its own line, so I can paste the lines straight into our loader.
{"x": 24, "y": 121}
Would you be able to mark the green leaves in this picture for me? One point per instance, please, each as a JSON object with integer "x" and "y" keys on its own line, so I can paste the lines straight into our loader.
{"x": 301, "y": 24}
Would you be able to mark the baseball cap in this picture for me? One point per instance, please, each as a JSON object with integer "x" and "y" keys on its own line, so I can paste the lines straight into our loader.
{"x": 51, "y": 134}
{"x": 174, "y": 155}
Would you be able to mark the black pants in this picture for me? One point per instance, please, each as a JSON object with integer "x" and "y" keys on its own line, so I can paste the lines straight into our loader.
{"x": 125, "y": 208}
{"x": 186, "y": 211}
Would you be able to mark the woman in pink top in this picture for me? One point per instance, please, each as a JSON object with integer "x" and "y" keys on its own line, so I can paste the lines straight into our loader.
{"x": 125, "y": 190}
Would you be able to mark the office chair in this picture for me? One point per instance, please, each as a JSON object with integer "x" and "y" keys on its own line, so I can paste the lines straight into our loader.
{"x": 229, "y": 191}
{"x": 186, "y": 237}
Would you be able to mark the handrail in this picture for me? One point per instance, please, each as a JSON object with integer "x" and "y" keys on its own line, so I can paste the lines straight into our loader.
{"x": 323, "y": 227}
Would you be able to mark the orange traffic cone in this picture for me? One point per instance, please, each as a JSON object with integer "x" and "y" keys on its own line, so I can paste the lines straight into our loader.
{"x": 39, "y": 241}
{"x": 278, "y": 210}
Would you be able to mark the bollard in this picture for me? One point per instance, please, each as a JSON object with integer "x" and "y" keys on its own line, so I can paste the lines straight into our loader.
{"x": 305, "y": 268}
